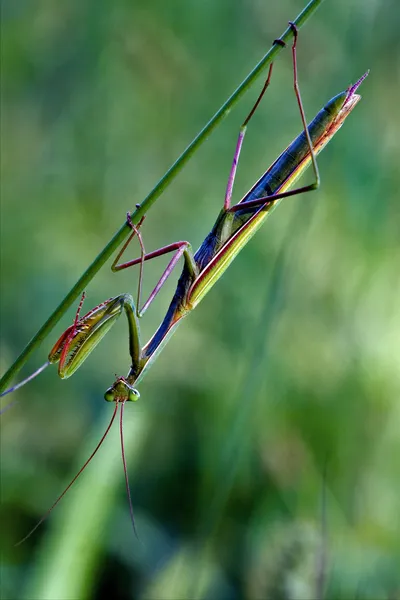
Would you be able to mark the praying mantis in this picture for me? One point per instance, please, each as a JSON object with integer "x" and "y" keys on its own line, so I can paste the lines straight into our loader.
{"x": 234, "y": 227}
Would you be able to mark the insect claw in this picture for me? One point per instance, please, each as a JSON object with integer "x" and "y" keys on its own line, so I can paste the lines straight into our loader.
{"x": 129, "y": 219}
{"x": 280, "y": 42}
{"x": 295, "y": 31}
{"x": 294, "y": 28}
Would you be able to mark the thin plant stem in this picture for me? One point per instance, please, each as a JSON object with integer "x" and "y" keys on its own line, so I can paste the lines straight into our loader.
{"x": 150, "y": 199}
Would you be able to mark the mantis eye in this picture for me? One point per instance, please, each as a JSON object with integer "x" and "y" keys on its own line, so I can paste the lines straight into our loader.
{"x": 109, "y": 395}
{"x": 133, "y": 395}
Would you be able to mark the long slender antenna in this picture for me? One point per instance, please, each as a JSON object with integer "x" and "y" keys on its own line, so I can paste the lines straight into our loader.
{"x": 128, "y": 490}
{"x": 73, "y": 480}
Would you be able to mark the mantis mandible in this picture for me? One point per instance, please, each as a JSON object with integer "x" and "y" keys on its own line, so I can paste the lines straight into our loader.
{"x": 233, "y": 228}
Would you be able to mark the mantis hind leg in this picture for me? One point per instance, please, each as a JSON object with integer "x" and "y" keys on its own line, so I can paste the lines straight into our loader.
{"x": 243, "y": 128}
{"x": 254, "y": 205}
{"x": 242, "y": 133}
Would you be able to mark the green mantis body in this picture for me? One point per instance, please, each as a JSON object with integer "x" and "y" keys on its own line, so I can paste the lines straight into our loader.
{"x": 233, "y": 228}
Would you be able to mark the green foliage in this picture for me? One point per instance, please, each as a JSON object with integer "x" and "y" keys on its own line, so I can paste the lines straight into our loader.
{"x": 283, "y": 385}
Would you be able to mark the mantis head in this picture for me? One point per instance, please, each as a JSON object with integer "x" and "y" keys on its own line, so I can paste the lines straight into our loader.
{"x": 121, "y": 391}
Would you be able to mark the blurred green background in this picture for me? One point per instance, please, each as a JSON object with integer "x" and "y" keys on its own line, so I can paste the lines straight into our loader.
{"x": 264, "y": 452}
